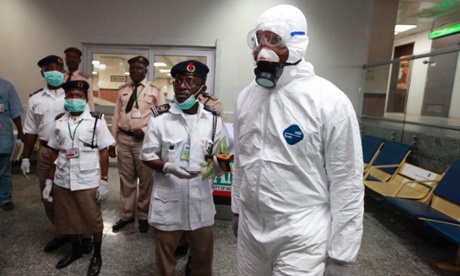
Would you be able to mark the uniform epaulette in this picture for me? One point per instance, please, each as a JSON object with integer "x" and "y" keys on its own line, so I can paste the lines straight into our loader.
{"x": 97, "y": 114}
{"x": 160, "y": 109}
{"x": 124, "y": 85}
{"x": 152, "y": 84}
{"x": 41, "y": 89}
{"x": 59, "y": 116}
{"x": 207, "y": 95}
{"x": 210, "y": 109}
{"x": 83, "y": 74}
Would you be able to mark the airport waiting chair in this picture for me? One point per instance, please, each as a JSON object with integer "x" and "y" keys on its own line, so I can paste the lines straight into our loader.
{"x": 445, "y": 200}
{"x": 371, "y": 148}
{"x": 410, "y": 181}
{"x": 451, "y": 232}
{"x": 387, "y": 162}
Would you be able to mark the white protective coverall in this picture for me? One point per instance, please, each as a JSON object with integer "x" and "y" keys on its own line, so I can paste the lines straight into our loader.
{"x": 297, "y": 177}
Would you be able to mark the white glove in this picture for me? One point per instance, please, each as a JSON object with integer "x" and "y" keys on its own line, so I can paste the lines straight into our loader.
{"x": 216, "y": 167}
{"x": 334, "y": 268}
{"x": 25, "y": 167}
{"x": 177, "y": 171}
{"x": 47, "y": 191}
{"x": 102, "y": 191}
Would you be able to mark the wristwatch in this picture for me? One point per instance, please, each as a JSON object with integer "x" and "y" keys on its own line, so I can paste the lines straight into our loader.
{"x": 105, "y": 178}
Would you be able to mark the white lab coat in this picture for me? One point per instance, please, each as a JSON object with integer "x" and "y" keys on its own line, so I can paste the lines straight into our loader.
{"x": 83, "y": 172}
{"x": 180, "y": 204}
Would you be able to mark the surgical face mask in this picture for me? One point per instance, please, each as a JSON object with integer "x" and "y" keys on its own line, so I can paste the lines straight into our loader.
{"x": 268, "y": 68}
{"x": 75, "y": 105}
{"x": 189, "y": 103}
{"x": 54, "y": 78}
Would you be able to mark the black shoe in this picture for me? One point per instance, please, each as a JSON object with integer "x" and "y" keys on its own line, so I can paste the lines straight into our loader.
{"x": 87, "y": 245}
{"x": 56, "y": 243}
{"x": 181, "y": 250}
{"x": 143, "y": 225}
{"x": 70, "y": 258}
{"x": 94, "y": 266}
{"x": 120, "y": 224}
{"x": 188, "y": 266}
{"x": 8, "y": 206}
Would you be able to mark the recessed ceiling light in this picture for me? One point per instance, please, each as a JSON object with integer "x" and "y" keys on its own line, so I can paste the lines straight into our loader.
{"x": 159, "y": 64}
{"x": 403, "y": 28}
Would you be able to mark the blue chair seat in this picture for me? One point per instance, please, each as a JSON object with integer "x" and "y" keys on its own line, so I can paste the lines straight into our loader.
{"x": 450, "y": 231}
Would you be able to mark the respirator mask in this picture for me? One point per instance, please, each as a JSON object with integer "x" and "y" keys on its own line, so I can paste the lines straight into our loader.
{"x": 268, "y": 68}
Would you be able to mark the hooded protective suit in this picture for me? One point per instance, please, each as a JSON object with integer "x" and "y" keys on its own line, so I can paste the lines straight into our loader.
{"x": 297, "y": 177}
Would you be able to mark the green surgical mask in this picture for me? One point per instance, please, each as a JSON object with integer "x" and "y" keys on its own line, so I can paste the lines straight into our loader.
{"x": 75, "y": 105}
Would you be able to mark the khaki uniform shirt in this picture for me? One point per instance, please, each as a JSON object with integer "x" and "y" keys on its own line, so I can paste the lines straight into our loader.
{"x": 148, "y": 96}
{"x": 77, "y": 75}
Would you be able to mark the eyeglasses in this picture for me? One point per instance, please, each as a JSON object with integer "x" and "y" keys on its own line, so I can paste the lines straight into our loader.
{"x": 189, "y": 83}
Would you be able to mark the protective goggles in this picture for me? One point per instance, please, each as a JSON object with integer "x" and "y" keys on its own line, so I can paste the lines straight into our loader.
{"x": 274, "y": 35}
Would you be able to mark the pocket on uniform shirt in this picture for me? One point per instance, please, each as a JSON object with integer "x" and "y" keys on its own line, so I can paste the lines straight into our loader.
{"x": 166, "y": 206}
{"x": 172, "y": 148}
{"x": 88, "y": 161}
{"x": 41, "y": 111}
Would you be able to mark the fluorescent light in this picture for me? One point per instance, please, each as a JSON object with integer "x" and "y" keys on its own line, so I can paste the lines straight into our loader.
{"x": 159, "y": 64}
{"x": 99, "y": 67}
{"x": 403, "y": 28}
{"x": 95, "y": 62}
{"x": 164, "y": 70}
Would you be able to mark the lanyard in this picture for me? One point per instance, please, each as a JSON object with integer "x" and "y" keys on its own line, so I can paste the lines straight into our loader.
{"x": 136, "y": 95}
{"x": 72, "y": 135}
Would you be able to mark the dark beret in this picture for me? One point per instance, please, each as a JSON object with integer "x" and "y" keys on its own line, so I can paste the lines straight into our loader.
{"x": 73, "y": 49}
{"x": 76, "y": 85}
{"x": 190, "y": 68}
{"x": 50, "y": 59}
{"x": 140, "y": 59}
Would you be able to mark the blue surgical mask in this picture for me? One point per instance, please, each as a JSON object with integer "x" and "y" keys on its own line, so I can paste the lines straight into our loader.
{"x": 189, "y": 103}
{"x": 54, "y": 78}
{"x": 75, "y": 105}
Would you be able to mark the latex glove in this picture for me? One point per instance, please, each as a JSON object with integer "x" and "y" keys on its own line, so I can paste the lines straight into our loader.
{"x": 46, "y": 194}
{"x": 177, "y": 171}
{"x": 235, "y": 221}
{"x": 334, "y": 268}
{"x": 112, "y": 152}
{"x": 216, "y": 167}
{"x": 25, "y": 167}
{"x": 102, "y": 191}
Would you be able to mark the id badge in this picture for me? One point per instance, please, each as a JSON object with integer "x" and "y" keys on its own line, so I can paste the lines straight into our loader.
{"x": 2, "y": 109}
{"x": 185, "y": 154}
{"x": 136, "y": 114}
{"x": 72, "y": 153}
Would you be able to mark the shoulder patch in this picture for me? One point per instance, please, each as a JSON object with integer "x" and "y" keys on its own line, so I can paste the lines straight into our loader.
{"x": 59, "y": 116}
{"x": 41, "y": 89}
{"x": 97, "y": 114}
{"x": 160, "y": 109}
{"x": 83, "y": 74}
{"x": 152, "y": 84}
{"x": 124, "y": 85}
{"x": 207, "y": 95}
{"x": 210, "y": 109}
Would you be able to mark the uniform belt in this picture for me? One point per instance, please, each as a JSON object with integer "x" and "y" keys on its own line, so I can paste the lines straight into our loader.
{"x": 129, "y": 133}
{"x": 44, "y": 144}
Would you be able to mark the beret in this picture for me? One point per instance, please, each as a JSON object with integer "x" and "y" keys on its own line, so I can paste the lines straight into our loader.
{"x": 140, "y": 59}
{"x": 190, "y": 68}
{"x": 50, "y": 59}
{"x": 76, "y": 84}
{"x": 73, "y": 49}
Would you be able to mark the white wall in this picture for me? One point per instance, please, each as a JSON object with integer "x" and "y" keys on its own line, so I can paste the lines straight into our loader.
{"x": 32, "y": 29}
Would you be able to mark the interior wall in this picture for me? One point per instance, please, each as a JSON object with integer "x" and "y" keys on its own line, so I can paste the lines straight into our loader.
{"x": 338, "y": 32}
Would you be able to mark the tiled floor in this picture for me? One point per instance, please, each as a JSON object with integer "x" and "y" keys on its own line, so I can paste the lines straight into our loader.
{"x": 390, "y": 244}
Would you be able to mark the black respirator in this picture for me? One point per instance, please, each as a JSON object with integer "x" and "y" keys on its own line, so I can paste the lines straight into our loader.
{"x": 267, "y": 73}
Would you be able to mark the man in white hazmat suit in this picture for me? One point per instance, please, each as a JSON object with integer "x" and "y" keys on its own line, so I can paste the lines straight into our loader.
{"x": 297, "y": 194}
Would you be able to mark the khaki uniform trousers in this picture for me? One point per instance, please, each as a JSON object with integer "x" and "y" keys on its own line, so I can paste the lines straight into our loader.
{"x": 130, "y": 169}
{"x": 201, "y": 243}
{"x": 43, "y": 170}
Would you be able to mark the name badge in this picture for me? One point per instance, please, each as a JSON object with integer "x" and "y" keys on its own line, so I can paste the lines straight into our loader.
{"x": 185, "y": 154}
{"x": 135, "y": 114}
{"x": 2, "y": 109}
{"x": 72, "y": 153}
